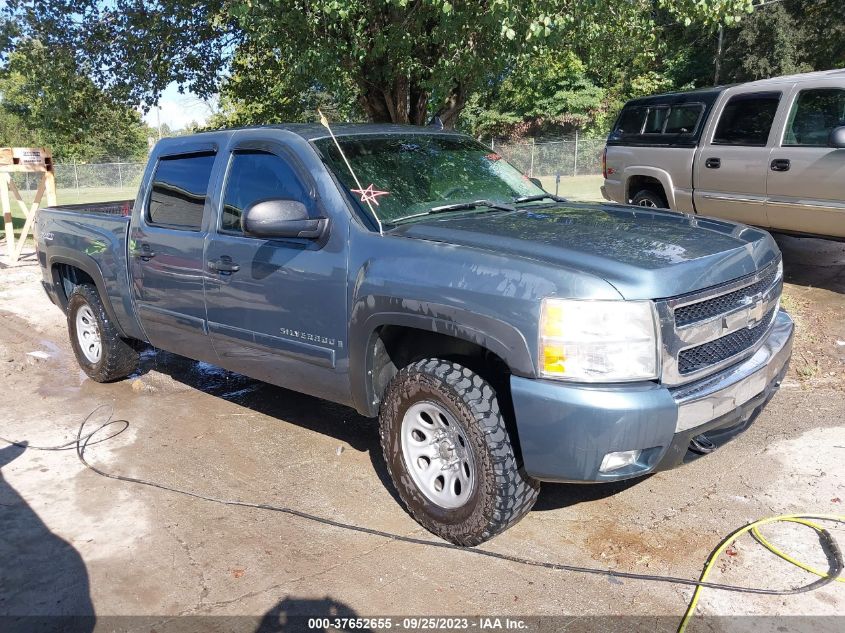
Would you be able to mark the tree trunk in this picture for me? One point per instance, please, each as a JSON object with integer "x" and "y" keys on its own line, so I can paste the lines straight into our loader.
{"x": 418, "y": 103}
{"x": 373, "y": 103}
{"x": 403, "y": 101}
{"x": 452, "y": 105}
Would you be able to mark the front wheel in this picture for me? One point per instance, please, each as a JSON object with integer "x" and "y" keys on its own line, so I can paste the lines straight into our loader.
{"x": 98, "y": 347}
{"x": 449, "y": 454}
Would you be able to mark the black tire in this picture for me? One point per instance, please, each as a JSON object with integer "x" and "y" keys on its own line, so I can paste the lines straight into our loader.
{"x": 501, "y": 493}
{"x": 117, "y": 358}
{"x": 649, "y": 198}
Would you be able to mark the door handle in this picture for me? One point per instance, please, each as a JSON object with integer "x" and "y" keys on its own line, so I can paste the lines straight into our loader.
{"x": 224, "y": 266}
{"x": 146, "y": 253}
{"x": 713, "y": 163}
{"x": 780, "y": 164}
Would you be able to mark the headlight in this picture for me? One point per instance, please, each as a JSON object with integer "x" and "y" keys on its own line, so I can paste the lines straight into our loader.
{"x": 598, "y": 341}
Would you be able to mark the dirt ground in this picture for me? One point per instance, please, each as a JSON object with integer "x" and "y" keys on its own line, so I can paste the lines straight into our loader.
{"x": 76, "y": 543}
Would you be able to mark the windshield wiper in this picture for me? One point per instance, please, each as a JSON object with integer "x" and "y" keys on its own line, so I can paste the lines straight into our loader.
{"x": 458, "y": 206}
{"x": 542, "y": 196}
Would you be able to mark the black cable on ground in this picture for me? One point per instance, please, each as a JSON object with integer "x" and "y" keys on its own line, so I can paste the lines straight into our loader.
{"x": 828, "y": 543}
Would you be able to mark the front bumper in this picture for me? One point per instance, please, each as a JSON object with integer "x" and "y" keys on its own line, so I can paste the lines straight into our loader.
{"x": 565, "y": 430}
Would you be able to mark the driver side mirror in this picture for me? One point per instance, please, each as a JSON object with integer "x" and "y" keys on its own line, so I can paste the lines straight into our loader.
{"x": 837, "y": 137}
{"x": 537, "y": 182}
{"x": 282, "y": 218}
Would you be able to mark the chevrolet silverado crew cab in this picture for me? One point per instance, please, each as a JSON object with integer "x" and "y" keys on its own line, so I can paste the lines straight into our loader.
{"x": 501, "y": 336}
{"x": 769, "y": 153}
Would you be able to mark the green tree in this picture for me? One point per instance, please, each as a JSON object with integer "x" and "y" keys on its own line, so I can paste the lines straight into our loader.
{"x": 782, "y": 53}
{"x": 404, "y": 59}
{"x": 58, "y": 106}
{"x": 547, "y": 93}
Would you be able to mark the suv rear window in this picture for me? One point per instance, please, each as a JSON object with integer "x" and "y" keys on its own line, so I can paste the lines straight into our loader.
{"x": 747, "y": 119}
{"x": 683, "y": 119}
{"x": 179, "y": 187}
{"x": 663, "y": 124}
{"x": 630, "y": 122}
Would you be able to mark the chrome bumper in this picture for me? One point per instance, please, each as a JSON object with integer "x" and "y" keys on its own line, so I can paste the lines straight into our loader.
{"x": 717, "y": 395}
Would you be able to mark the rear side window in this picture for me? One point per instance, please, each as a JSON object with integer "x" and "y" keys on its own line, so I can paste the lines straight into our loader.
{"x": 683, "y": 119}
{"x": 255, "y": 176}
{"x": 814, "y": 115}
{"x": 179, "y": 188}
{"x": 655, "y": 120}
{"x": 630, "y": 122}
{"x": 747, "y": 120}
{"x": 659, "y": 124}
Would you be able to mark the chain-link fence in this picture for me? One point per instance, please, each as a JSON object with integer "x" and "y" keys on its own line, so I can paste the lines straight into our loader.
{"x": 87, "y": 182}
{"x": 571, "y": 156}
{"x": 569, "y": 166}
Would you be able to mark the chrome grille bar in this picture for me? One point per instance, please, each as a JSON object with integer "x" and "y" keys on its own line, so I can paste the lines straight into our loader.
{"x": 703, "y": 325}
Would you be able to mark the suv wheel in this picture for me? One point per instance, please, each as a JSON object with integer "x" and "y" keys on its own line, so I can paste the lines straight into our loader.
{"x": 449, "y": 454}
{"x": 649, "y": 198}
{"x": 98, "y": 347}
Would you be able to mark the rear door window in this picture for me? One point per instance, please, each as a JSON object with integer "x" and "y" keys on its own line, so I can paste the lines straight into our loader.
{"x": 747, "y": 119}
{"x": 179, "y": 189}
{"x": 814, "y": 115}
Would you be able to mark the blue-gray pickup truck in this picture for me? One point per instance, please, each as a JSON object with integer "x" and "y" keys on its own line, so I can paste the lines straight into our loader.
{"x": 501, "y": 335}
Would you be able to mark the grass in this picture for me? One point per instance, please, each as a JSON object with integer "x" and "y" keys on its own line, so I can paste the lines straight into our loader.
{"x": 575, "y": 187}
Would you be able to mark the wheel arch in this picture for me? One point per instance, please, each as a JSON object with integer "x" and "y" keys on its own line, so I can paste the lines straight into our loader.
{"x": 384, "y": 342}
{"x": 637, "y": 178}
{"x": 68, "y": 267}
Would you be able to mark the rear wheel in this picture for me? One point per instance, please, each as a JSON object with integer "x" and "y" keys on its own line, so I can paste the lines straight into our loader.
{"x": 649, "y": 198}
{"x": 98, "y": 347}
{"x": 450, "y": 455}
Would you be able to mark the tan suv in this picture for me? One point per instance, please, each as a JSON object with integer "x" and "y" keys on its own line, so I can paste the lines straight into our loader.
{"x": 769, "y": 153}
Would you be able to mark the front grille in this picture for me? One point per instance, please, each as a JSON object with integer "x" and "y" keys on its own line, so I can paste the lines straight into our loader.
{"x": 720, "y": 349}
{"x": 709, "y": 308}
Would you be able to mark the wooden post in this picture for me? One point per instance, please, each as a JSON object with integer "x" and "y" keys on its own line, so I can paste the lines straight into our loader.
{"x": 50, "y": 187}
{"x": 24, "y": 160}
{"x": 8, "y": 227}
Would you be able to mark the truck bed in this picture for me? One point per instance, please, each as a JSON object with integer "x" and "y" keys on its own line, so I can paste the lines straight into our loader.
{"x": 91, "y": 237}
{"x": 112, "y": 207}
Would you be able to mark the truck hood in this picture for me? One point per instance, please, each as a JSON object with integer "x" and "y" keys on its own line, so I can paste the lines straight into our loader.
{"x": 644, "y": 253}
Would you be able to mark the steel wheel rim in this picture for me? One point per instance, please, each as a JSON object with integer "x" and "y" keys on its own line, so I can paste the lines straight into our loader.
{"x": 438, "y": 455}
{"x": 88, "y": 334}
{"x": 647, "y": 203}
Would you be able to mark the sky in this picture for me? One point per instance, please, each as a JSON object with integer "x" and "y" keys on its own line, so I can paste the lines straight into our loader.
{"x": 178, "y": 110}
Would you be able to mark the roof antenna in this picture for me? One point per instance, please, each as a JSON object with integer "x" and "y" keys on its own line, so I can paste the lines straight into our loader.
{"x": 436, "y": 122}
{"x": 325, "y": 122}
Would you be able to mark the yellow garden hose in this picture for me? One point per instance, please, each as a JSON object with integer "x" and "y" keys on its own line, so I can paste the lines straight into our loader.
{"x": 754, "y": 528}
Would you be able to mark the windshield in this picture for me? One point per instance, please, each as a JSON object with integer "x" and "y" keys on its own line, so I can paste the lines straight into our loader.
{"x": 409, "y": 175}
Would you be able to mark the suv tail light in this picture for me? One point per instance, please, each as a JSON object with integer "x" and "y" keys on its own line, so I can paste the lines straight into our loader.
{"x": 604, "y": 162}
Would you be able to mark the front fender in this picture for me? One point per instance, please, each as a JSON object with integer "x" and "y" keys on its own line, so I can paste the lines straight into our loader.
{"x": 373, "y": 311}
